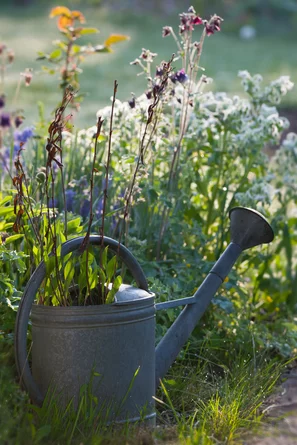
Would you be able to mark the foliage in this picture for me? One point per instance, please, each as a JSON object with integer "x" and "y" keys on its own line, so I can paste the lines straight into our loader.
{"x": 68, "y": 55}
{"x": 160, "y": 174}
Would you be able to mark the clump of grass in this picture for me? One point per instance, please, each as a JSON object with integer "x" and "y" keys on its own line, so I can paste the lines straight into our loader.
{"x": 211, "y": 402}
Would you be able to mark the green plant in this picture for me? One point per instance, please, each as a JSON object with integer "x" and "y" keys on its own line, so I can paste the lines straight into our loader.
{"x": 68, "y": 55}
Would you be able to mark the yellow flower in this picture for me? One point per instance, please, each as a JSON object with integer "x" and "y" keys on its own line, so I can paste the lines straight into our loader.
{"x": 269, "y": 299}
{"x": 226, "y": 280}
{"x": 220, "y": 323}
{"x": 188, "y": 265}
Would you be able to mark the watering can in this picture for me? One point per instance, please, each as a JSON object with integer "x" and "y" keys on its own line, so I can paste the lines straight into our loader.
{"x": 118, "y": 340}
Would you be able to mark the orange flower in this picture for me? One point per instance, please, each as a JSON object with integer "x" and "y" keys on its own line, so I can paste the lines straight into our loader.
{"x": 66, "y": 17}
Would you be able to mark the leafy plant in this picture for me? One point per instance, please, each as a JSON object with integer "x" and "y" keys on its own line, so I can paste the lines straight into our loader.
{"x": 68, "y": 54}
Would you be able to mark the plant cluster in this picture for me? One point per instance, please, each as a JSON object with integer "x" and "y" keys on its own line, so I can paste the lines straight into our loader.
{"x": 159, "y": 172}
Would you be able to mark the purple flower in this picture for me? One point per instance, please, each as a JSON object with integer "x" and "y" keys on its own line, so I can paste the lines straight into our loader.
{"x": 70, "y": 194}
{"x": 197, "y": 20}
{"x": 132, "y": 102}
{"x": 213, "y": 25}
{"x": 2, "y": 101}
{"x": 180, "y": 77}
{"x": 85, "y": 208}
{"x": 18, "y": 121}
{"x": 5, "y": 120}
{"x": 53, "y": 203}
{"x": 159, "y": 71}
{"x": 23, "y": 135}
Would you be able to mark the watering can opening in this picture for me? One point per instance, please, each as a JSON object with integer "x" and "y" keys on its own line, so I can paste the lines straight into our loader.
{"x": 249, "y": 228}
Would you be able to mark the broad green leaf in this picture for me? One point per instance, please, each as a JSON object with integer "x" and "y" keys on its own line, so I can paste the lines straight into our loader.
{"x": 56, "y": 54}
{"x": 73, "y": 224}
{"x": 6, "y": 210}
{"x": 12, "y": 238}
{"x": 5, "y": 200}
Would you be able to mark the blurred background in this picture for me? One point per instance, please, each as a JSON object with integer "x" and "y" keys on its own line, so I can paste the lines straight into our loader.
{"x": 257, "y": 35}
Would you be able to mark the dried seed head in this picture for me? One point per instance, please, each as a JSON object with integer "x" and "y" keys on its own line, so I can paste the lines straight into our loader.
{"x": 167, "y": 30}
{"x": 10, "y": 55}
{"x": 27, "y": 76}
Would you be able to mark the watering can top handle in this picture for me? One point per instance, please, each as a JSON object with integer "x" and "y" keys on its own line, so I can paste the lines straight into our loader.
{"x": 22, "y": 319}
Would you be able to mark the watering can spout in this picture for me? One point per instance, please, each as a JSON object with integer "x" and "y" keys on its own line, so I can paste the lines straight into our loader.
{"x": 248, "y": 229}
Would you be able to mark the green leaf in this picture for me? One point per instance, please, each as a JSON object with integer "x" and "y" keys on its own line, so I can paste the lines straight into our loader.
{"x": 111, "y": 267}
{"x": 12, "y": 238}
{"x": 6, "y": 210}
{"x": 5, "y": 200}
{"x": 104, "y": 257}
{"x": 56, "y": 54}
{"x": 115, "y": 287}
{"x": 85, "y": 31}
{"x": 42, "y": 432}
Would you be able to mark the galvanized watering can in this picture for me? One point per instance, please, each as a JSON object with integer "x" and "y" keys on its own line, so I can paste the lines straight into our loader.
{"x": 117, "y": 341}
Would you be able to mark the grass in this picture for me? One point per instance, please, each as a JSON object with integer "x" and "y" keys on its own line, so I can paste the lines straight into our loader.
{"x": 213, "y": 397}
{"x": 30, "y": 30}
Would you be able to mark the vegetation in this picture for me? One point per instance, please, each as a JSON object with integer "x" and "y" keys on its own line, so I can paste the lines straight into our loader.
{"x": 159, "y": 173}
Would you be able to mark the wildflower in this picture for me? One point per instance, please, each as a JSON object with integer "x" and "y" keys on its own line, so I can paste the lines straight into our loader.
{"x": 180, "y": 77}
{"x": 214, "y": 24}
{"x": 159, "y": 71}
{"x": 132, "y": 102}
{"x": 18, "y": 121}
{"x": 28, "y": 76}
{"x": 5, "y": 121}
{"x": 2, "y": 101}
{"x": 70, "y": 194}
{"x": 85, "y": 208}
{"x": 167, "y": 30}
{"x": 24, "y": 135}
{"x": 135, "y": 62}
{"x": 188, "y": 20}
{"x": 269, "y": 299}
{"x": 147, "y": 55}
{"x": 197, "y": 20}
{"x": 191, "y": 10}
{"x": 10, "y": 56}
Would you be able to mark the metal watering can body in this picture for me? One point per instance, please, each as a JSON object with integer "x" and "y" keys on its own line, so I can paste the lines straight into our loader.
{"x": 248, "y": 229}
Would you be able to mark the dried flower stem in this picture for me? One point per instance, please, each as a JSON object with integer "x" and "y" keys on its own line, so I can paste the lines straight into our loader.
{"x": 108, "y": 161}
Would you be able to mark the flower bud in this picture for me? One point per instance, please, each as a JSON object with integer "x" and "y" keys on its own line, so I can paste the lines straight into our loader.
{"x": 40, "y": 177}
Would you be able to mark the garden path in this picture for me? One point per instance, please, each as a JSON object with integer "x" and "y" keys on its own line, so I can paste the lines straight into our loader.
{"x": 281, "y": 410}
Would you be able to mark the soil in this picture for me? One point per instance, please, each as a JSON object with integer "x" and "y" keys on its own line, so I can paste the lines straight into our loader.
{"x": 281, "y": 411}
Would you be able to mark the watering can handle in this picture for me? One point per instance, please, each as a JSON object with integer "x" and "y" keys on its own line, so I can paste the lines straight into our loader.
{"x": 22, "y": 319}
